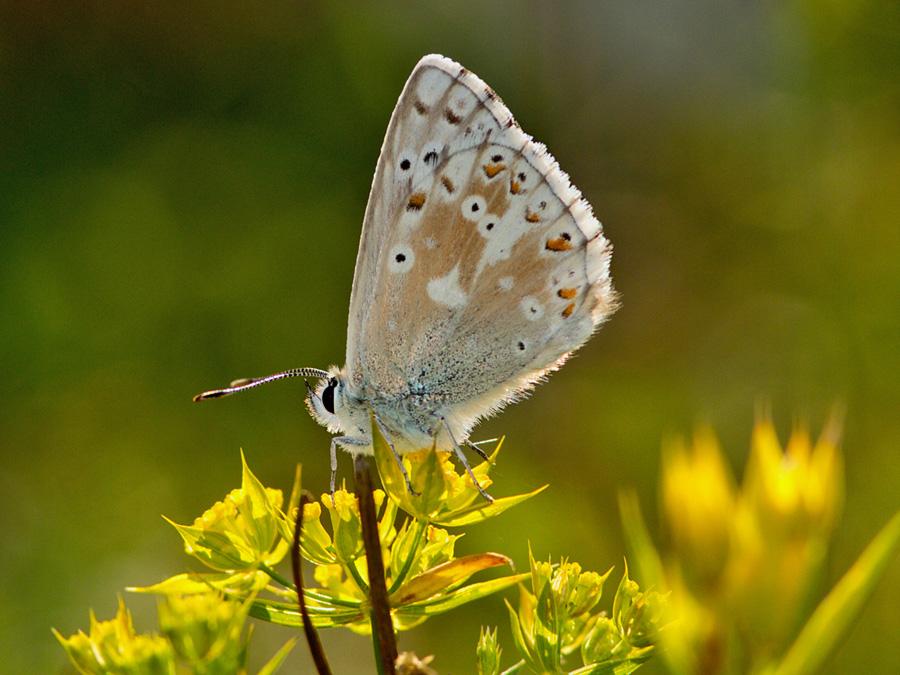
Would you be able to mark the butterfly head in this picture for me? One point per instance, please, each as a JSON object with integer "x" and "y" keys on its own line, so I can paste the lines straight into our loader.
{"x": 332, "y": 406}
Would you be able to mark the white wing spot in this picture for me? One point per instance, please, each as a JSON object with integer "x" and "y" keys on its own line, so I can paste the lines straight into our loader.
{"x": 431, "y": 243}
{"x": 473, "y": 207}
{"x": 401, "y": 258}
{"x": 531, "y": 308}
{"x": 446, "y": 291}
{"x": 506, "y": 283}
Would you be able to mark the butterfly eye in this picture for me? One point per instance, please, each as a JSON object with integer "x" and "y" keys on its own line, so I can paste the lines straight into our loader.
{"x": 328, "y": 395}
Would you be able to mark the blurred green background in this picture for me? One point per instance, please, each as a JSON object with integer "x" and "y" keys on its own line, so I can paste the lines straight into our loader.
{"x": 181, "y": 192}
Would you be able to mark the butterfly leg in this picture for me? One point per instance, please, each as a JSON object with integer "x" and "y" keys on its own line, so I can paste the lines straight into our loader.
{"x": 480, "y": 452}
{"x": 465, "y": 462}
{"x": 396, "y": 456}
{"x": 344, "y": 440}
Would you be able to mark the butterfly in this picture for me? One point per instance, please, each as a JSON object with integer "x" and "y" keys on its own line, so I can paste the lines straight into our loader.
{"x": 480, "y": 270}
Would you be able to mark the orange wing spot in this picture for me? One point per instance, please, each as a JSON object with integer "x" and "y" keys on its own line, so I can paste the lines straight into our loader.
{"x": 567, "y": 293}
{"x": 491, "y": 170}
{"x": 515, "y": 187}
{"x": 560, "y": 244}
{"x": 567, "y": 312}
{"x": 451, "y": 116}
{"x": 416, "y": 202}
{"x": 448, "y": 184}
{"x": 532, "y": 217}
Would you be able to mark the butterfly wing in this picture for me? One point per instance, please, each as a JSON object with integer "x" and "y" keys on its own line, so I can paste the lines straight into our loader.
{"x": 481, "y": 267}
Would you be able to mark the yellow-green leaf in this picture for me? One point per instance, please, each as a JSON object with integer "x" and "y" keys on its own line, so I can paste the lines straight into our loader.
{"x": 836, "y": 614}
{"x": 484, "y": 510}
{"x": 439, "y": 578}
{"x": 460, "y": 597}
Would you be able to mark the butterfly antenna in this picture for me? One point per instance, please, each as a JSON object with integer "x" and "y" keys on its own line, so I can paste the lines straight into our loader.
{"x": 250, "y": 383}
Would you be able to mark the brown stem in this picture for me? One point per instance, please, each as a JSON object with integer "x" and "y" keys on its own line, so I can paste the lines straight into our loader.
{"x": 312, "y": 636}
{"x": 382, "y": 625}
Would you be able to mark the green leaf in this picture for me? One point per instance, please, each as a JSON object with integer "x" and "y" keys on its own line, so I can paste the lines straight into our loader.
{"x": 285, "y": 614}
{"x": 389, "y": 471}
{"x": 460, "y": 597}
{"x": 546, "y": 632}
{"x": 257, "y": 510}
{"x": 836, "y": 614}
{"x": 428, "y": 481}
{"x": 275, "y": 662}
{"x": 522, "y": 640}
{"x": 618, "y": 666}
{"x": 284, "y": 519}
{"x": 483, "y": 510}
{"x": 190, "y": 584}
{"x": 649, "y": 565}
{"x": 218, "y": 549}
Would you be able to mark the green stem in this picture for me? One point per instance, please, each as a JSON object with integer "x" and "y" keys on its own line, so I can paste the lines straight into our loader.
{"x": 512, "y": 670}
{"x": 357, "y": 577}
{"x": 376, "y": 647}
{"x": 277, "y": 577}
{"x": 421, "y": 526}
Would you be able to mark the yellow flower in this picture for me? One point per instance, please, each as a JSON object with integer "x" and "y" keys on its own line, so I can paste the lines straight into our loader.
{"x": 114, "y": 647}
{"x": 698, "y": 496}
{"x": 241, "y": 532}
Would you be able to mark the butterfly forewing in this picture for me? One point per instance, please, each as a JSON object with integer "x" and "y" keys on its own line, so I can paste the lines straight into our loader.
{"x": 480, "y": 266}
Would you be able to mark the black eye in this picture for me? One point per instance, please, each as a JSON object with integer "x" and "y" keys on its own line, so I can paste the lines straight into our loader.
{"x": 328, "y": 395}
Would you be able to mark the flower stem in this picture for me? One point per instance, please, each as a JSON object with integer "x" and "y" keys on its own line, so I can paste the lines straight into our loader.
{"x": 277, "y": 577}
{"x": 421, "y": 526}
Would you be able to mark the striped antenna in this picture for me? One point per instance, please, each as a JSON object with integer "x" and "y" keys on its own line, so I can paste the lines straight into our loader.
{"x": 249, "y": 383}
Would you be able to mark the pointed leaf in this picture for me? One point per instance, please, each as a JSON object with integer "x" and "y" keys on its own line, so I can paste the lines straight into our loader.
{"x": 547, "y": 626}
{"x": 284, "y": 519}
{"x": 618, "y": 666}
{"x": 275, "y": 662}
{"x": 483, "y": 510}
{"x": 638, "y": 537}
{"x": 390, "y": 474}
{"x": 522, "y": 640}
{"x": 258, "y": 511}
{"x": 218, "y": 549}
{"x": 428, "y": 480}
{"x": 459, "y": 597}
{"x": 191, "y": 584}
{"x": 284, "y": 614}
{"x": 836, "y": 614}
{"x": 438, "y": 578}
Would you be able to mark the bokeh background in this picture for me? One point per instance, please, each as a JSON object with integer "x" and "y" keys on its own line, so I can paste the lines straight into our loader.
{"x": 181, "y": 192}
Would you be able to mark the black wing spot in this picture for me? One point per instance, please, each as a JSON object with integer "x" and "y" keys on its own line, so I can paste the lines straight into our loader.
{"x": 452, "y": 117}
{"x": 405, "y": 164}
{"x": 497, "y": 158}
{"x": 431, "y": 157}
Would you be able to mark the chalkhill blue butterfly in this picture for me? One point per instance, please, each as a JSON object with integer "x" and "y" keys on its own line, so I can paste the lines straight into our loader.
{"x": 480, "y": 270}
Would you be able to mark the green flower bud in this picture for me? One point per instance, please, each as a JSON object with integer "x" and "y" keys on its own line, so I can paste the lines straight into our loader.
{"x": 487, "y": 653}
{"x": 601, "y": 642}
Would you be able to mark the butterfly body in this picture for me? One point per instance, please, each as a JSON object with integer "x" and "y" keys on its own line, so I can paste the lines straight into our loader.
{"x": 480, "y": 269}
